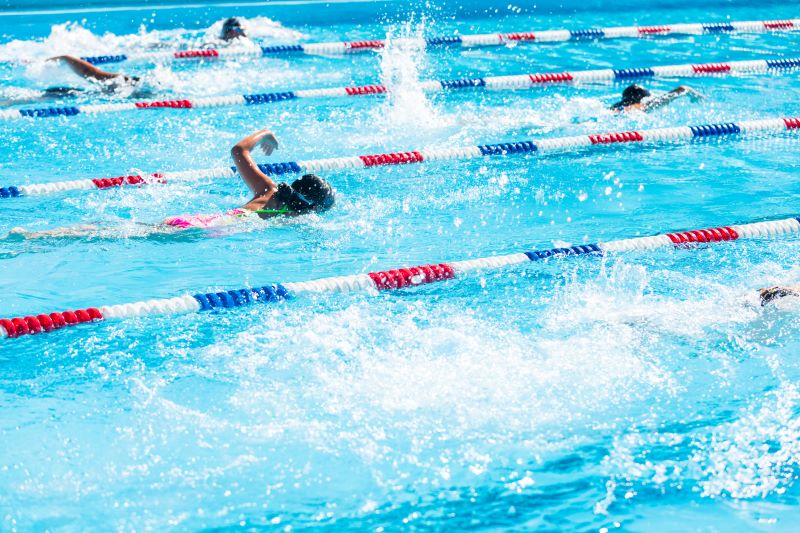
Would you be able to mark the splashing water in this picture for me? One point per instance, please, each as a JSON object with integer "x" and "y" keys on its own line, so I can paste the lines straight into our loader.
{"x": 756, "y": 455}
{"x": 406, "y": 104}
{"x": 259, "y": 27}
{"x": 75, "y": 39}
{"x": 579, "y": 393}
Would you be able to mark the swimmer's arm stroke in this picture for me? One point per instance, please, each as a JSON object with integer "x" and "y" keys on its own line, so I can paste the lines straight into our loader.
{"x": 774, "y": 293}
{"x": 674, "y": 94}
{"x": 258, "y": 182}
{"x": 85, "y": 69}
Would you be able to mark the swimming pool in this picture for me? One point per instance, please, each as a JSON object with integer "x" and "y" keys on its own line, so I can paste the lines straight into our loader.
{"x": 640, "y": 391}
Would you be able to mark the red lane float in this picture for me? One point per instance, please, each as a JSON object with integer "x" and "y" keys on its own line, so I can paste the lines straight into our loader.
{"x": 778, "y": 24}
{"x": 710, "y": 68}
{"x": 618, "y": 137}
{"x": 724, "y": 233}
{"x": 31, "y": 325}
{"x": 518, "y": 36}
{"x": 365, "y": 89}
{"x": 551, "y": 78}
{"x": 407, "y": 277}
{"x": 653, "y": 30}
{"x": 361, "y": 45}
{"x": 107, "y": 183}
{"x": 188, "y": 54}
{"x": 172, "y": 104}
{"x": 398, "y": 158}
{"x": 792, "y": 123}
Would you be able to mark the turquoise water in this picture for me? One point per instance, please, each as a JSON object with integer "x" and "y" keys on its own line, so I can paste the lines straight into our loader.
{"x": 638, "y": 392}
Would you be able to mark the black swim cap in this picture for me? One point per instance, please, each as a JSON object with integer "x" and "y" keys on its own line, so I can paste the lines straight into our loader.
{"x": 316, "y": 189}
{"x": 232, "y": 25}
{"x": 309, "y": 193}
{"x": 633, "y": 94}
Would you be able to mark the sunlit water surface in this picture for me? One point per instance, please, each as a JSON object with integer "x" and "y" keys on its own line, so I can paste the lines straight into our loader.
{"x": 645, "y": 391}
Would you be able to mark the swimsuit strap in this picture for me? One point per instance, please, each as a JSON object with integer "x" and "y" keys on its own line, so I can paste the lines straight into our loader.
{"x": 280, "y": 211}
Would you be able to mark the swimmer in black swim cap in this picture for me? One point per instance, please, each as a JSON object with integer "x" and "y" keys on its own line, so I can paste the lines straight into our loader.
{"x": 637, "y": 97}
{"x": 307, "y": 194}
{"x": 631, "y": 96}
{"x": 232, "y": 29}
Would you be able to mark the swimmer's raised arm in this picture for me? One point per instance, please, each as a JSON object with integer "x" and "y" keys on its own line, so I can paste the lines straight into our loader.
{"x": 258, "y": 182}
{"x": 85, "y": 69}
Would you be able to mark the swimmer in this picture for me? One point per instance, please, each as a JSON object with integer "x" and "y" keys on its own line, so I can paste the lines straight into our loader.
{"x": 636, "y": 97}
{"x": 232, "y": 30}
{"x": 110, "y": 83}
{"x": 232, "y": 33}
{"x": 775, "y": 293}
{"x": 308, "y": 194}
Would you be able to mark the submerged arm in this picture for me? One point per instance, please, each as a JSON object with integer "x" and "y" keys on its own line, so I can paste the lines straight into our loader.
{"x": 258, "y": 182}
{"x": 85, "y": 69}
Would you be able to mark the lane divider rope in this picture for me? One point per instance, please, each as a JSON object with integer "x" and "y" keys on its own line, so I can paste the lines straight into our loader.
{"x": 382, "y": 280}
{"x": 578, "y": 143}
{"x": 465, "y": 41}
{"x": 497, "y": 83}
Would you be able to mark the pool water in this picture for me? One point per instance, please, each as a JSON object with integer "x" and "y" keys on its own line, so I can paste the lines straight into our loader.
{"x": 640, "y": 391}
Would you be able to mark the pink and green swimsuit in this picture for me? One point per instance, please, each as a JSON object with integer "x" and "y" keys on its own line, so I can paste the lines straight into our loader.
{"x": 234, "y": 216}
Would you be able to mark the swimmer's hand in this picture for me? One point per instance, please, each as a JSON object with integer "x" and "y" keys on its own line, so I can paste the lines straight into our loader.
{"x": 264, "y": 139}
{"x": 693, "y": 95}
{"x": 268, "y": 143}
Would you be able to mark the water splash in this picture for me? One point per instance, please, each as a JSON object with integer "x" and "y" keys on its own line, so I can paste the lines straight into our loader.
{"x": 406, "y": 104}
{"x": 756, "y": 455}
{"x": 75, "y": 39}
{"x": 261, "y": 28}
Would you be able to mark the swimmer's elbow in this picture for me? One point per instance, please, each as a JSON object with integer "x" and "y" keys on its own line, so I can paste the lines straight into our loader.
{"x": 238, "y": 151}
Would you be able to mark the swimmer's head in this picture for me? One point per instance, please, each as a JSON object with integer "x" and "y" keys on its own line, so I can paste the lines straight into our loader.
{"x": 632, "y": 95}
{"x": 309, "y": 193}
{"x": 131, "y": 86}
{"x": 232, "y": 29}
{"x": 774, "y": 293}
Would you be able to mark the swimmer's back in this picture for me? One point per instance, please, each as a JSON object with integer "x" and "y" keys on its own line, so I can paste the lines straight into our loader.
{"x": 214, "y": 220}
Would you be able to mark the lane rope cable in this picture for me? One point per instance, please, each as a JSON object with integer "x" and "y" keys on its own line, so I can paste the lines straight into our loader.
{"x": 381, "y": 280}
{"x": 497, "y": 83}
{"x": 463, "y": 41}
{"x": 538, "y": 147}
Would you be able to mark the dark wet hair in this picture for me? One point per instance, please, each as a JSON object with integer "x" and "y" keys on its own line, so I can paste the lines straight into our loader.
{"x": 232, "y": 24}
{"x": 633, "y": 94}
{"x": 308, "y": 193}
